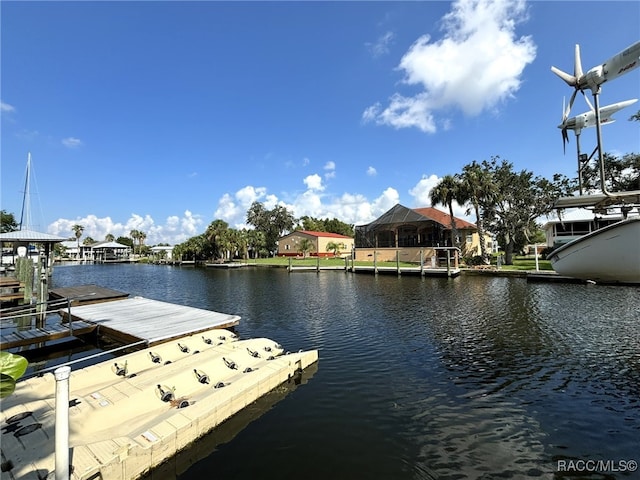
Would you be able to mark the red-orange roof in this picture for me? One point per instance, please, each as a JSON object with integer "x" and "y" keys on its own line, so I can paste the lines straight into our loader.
{"x": 443, "y": 218}
{"x": 321, "y": 234}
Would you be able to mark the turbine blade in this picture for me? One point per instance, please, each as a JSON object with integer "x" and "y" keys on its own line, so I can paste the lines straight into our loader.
{"x": 569, "y": 79}
{"x": 577, "y": 70}
{"x": 573, "y": 97}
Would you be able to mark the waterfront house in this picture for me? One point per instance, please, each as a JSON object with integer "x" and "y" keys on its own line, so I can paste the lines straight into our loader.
{"x": 559, "y": 232}
{"x": 97, "y": 252}
{"x": 413, "y": 235}
{"x": 162, "y": 252}
{"x": 289, "y": 245}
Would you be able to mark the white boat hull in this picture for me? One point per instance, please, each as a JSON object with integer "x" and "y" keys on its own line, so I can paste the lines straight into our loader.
{"x": 608, "y": 255}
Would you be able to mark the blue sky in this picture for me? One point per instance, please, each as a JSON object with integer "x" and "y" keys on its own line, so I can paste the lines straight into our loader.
{"x": 164, "y": 116}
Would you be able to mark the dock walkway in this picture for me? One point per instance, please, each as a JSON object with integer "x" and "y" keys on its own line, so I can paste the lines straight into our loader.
{"x": 128, "y": 320}
{"x": 21, "y": 338}
{"x": 138, "y": 318}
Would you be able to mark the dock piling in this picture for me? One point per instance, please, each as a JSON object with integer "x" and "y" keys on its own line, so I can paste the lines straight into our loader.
{"x": 62, "y": 422}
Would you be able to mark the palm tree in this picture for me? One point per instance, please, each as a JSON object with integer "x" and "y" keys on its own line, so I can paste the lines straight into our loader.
{"x": 478, "y": 186}
{"x": 334, "y": 247}
{"x": 141, "y": 238}
{"x": 109, "y": 237}
{"x": 305, "y": 246}
{"x": 77, "y": 231}
{"x": 134, "y": 234}
{"x": 216, "y": 234}
{"x": 446, "y": 191}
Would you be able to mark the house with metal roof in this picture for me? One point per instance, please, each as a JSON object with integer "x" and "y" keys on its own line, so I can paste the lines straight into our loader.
{"x": 290, "y": 245}
{"x": 416, "y": 234}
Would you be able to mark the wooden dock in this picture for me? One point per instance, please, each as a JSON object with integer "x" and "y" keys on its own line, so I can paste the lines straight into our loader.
{"x": 422, "y": 271}
{"x": 110, "y": 313}
{"x": 86, "y": 294}
{"x": 10, "y": 290}
{"x": 21, "y": 338}
{"x": 135, "y": 319}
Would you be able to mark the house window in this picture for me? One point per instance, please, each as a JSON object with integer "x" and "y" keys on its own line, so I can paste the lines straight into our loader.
{"x": 287, "y": 247}
{"x": 470, "y": 238}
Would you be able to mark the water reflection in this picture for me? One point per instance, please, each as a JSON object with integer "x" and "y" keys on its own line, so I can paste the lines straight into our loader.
{"x": 421, "y": 377}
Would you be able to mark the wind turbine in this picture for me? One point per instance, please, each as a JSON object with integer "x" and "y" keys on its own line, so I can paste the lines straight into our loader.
{"x": 618, "y": 65}
{"x": 586, "y": 120}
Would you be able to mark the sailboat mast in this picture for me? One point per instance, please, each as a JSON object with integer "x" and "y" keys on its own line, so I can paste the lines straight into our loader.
{"x": 25, "y": 196}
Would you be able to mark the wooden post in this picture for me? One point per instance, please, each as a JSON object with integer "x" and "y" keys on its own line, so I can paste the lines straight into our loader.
{"x": 375, "y": 261}
{"x": 448, "y": 263}
{"x": 421, "y": 262}
{"x": 398, "y": 262}
{"x": 289, "y": 269}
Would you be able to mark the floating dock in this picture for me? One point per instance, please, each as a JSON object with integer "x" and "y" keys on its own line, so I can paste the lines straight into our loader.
{"x": 138, "y": 318}
{"x": 130, "y": 414}
{"x": 128, "y": 320}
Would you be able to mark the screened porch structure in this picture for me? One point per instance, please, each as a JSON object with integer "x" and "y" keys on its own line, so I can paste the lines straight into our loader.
{"x": 402, "y": 227}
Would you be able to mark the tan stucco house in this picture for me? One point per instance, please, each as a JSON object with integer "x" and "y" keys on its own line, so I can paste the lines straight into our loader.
{"x": 289, "y": 245}
{"x": 416, "y": 234}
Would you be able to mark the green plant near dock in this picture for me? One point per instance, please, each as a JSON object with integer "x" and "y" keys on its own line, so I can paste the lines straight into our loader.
{"x": 12, "y": 367}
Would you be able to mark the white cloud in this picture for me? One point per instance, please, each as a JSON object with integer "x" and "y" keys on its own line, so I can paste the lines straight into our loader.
{"x": 175, "y": 230}
{"x": 474, "y": 67}
{"x": 372, "y": 172}
{"x": 421, "y": 192}
{"x": 72, "y": 142}
{"x": 5, "y": 107}
{"x": 314, "y": 183}
{"x": 353, "y": 208}
{"x": 330, "y": 169}
{"x": 381, "y": 45}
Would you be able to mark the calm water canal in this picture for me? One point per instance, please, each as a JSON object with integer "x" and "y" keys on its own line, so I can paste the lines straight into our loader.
{"x": 418, "y": 378}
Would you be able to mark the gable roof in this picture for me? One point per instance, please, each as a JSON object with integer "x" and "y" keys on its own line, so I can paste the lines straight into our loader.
{"x": 30, "y": 236}
{"x": 109, "y": 245}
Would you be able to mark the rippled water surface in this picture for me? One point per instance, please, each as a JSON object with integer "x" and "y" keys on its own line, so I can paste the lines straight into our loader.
{"x": 418, "y": 378}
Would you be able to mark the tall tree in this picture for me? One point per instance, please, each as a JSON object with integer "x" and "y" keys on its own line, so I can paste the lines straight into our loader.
{"x": 621, "y": 173}
{"x": 134, "y": 237}
{"x": 141, "y": 238}
{"x": 7, "y": 222}
{"x": 256, "y": 243}
{"x": 331, "y": 225}
{"x": 217, "y": 233}
{"x": 273, "y": 223}
{"x": 109, "y": 237}
{"x": 520, "y": 198}
{"x": 446, "y": 191}
{"x": 77, "y": 231}
{"x": 478, "y": 186}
